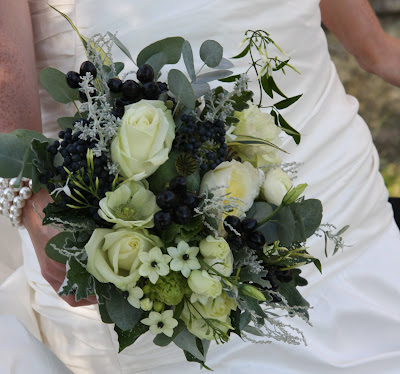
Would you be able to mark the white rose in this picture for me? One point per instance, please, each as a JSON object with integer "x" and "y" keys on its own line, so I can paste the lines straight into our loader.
{"x": 257, "y": 124}
{"x": 144, "y": 139}
{"x": 130, "y": 205}
{"x": 113, "y": 255}
{"x": 239, "y": 180}
{"x": 223, "y": 266}
{"x": 218, "y": 309}
{"x": 204, "y": 285}
{"x": 212, "y": 247}
{"x": 277, "y": 183}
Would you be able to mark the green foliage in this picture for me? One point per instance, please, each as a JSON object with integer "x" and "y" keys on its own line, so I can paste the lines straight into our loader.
{"x": 308, "y": 215}
{"x": 188, "y": 342}
{"x": 65, "y": 122}
{"x": 240, "y": 102}
{"x": 259, "y": 211}
{"x": 291, "y": 294}
{"x": 187, "y": 231}
{"x": 287, "y": 102}
{"x": 123, "y": 314}
{"x": 281, "y": 122}
{"x": 164, "y": 173}
{"x": 121, "y": 46}
{"x": 211, "y": 53}
{"x": 128, "y": 337}
{"x": 12, "y": 155}
{"x": 172, "y": 47}
{"x": 286, "y": 226}
{"x": 55, "y": 247}
{"x": 163, "y": 340}
{"x": 187, "y": 55}
{"x": 180, "y": 86}
{"x": 213, "y": 75}
{"x": 55, "y": 83}
{"x": 78, "y": 281}
{"x": 247, "y": 276}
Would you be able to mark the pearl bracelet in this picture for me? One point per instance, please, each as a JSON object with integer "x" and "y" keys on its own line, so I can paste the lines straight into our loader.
{"x": 13, "y": 199}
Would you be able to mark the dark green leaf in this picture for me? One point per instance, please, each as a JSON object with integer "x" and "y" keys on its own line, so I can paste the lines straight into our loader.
{"x": 193, "y": 181}
{"x": 287, "y": 102}
{"x": 230, "y": 79}
{"x": 191, "y": 358}
{"x": 240, "y": 102}
{"x": 266, "y": 86}
{"x": 55, "y": 83}
{"x": 172, "y": 47}
{"x": 164, "y": 173}
{"x": 311, "y": 213}
{"x": 211, "y": 53}
{"x": 118, "y": 66}
{"x": 27, "y": 167}
{"x": 182, "y": 89}
{"x": 104, "y": 314}
{"x": 286, "y": 226}
{"x": 281, "y": 65}
{"x": 290, "y": 292}
{"x": 247, "y": 276}
{"x": 127, "y": 338}
{"x": 179, "y": 309}
{"x": 77, "y": 281}
{"x": 187, "y": 342}
{"x": 124, "y": 315}
{"x": 245, "y": 319}
{"x": 102, "y": 291}
{"x": 274, "y": 87}
{"x": 300, "y": 233}
{"x": 289, "y": 130}
{"x": 243, "y": 53}
{"x": 28, "y": 135}
{"x": 187, "y": 55}
{"x": 55, "y": 246}
{"x": 259, "y": 211}
{"x": 163, "y": 340}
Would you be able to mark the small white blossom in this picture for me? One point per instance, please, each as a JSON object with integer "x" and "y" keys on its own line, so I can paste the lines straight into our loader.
{"x": 135, "y": 294}
{"x": 64, "y": 189}
{"x": 184, "y": 258}
{"x": 146, "y": 304}
{"x": 161, "y": 323}
{"x": 154, "y": 264}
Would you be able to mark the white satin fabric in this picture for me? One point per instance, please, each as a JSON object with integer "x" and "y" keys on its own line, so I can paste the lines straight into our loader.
{"x": 356, "y": 314}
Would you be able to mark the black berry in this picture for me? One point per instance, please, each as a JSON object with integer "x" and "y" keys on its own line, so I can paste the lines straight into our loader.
{"x": 182, "y": 214}
{"x": 88, "y": 67}
{"x": 145, "y": 74}
{"x": 189, "y": 199}
{"x": 178, "y": 184}
{"x": 234, "y": 222}
{"x": 115, "y": 85}
{"x": 162, "y": 220}
{"x": 131, "y": 90}
{"x": 255, "y": 240}
{"x": 73, "y": 79}
{"x": 166, "y": 200}
{"x": 235, "y": 242}
{"x": 249, "y": 224}
{"x": 151, "y": 91}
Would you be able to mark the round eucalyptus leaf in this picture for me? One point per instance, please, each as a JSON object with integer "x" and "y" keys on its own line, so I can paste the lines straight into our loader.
{"x": 182, "y": 89}
{"x": 211, "y": 53}
{"x": 213, "y": 75}
{"x": 55, "y": 83}
{"x": 172, "y": 47}
{"x": 187, "y": 55}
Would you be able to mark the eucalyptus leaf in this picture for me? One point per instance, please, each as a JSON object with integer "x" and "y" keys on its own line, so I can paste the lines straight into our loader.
{"x": 187, "y": 55}
{"x": 286, "y": 226}
{"x": 121, "y": 46}
{"x": 157, "y": 62}
{"x": 12, "y": 154}
{"x": 311, "y": 212}
{"x": 124, "y": 315}
{"x": 225, "y": 64}
{"x": 28, "y": 135}
{"x": 180, "y": 86}
{"x": 66, "y": 122}
{"x": 55, "y": 83}
{"x": 200, "y": 89}
{"x": 213, "y": 75}
{"x": 171, "y": 46}
{"x": 211, "y": 53}
{"x": 27, "y": 166}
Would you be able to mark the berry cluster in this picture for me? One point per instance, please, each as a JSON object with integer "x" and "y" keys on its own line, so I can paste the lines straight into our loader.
{"x": 74, "y": 153}
{"x": 74, "y": 78}
{"x": 275, "y": 277}
{"x": 204, "y": 140}
{"x": 248, "y": 236}
{"x": 177, "y": 204}
{"x": 133, "y": 91}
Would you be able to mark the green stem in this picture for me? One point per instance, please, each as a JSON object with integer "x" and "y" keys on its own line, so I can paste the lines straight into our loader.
{"x": 266, "y": 219}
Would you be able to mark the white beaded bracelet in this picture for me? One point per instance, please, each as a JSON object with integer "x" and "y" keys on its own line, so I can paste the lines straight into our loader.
{"x": 13, "y": 199}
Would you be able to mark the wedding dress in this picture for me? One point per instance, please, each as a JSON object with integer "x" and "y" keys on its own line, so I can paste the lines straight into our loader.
{"x": 356, "y": 314}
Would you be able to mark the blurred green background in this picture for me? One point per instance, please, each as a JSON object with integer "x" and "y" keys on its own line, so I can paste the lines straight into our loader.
{"x": 379, "y": 101}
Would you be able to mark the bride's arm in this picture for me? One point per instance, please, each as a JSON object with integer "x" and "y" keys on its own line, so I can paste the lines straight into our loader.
{"x": 19, "y": 108}
{"x": 358, "y": 29}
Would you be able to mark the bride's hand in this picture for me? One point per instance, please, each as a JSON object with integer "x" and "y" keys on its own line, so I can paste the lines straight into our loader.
{"x": 52, "y": 271}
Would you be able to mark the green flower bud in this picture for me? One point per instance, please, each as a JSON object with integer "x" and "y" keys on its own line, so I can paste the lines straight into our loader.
{"x": 158, "y": 306}
{"x": 293, "y": 194}
{"x": 253, "y": 292}
{"x": 169, "y": 289}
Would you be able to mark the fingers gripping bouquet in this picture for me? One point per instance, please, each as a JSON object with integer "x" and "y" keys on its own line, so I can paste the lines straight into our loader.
{"x": 175, "y": 209}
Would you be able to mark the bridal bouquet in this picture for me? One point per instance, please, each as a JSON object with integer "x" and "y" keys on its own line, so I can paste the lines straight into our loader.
{"x": 173, "y": 205}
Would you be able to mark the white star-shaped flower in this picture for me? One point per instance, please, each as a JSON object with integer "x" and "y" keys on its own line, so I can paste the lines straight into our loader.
{"x": 161, "y": 323}
{"x": 184, "y": 258}
{"x": 154, "y": 264}
{"x": 135, "y": 294}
